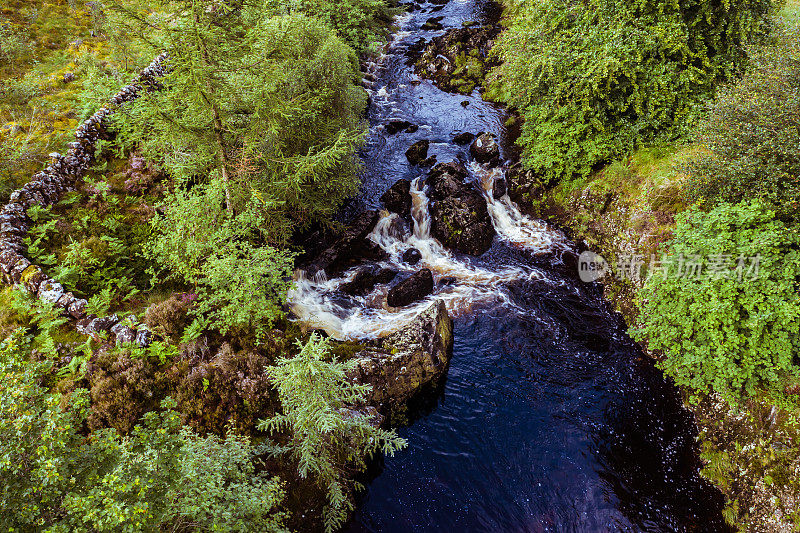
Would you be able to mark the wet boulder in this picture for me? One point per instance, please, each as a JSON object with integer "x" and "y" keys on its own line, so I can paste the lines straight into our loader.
{"x": 458, "y": 60}
{"x": 523, "y": 186}
{"x": 409, "y": 362}
{"x": 411, "y": 290}
{"x": 462, "y": 222}
{"x": 350, "y": 247}
{"x": 412, "y": 256}
{"x": 418, "y": 152}
{"x": 485, "y": 149}
{"x": 446, "y": 179}
{"x": 398, "y": 198}
{"x": 499, "y": 188}
{"x": 394, "y": 126}
{"x": 366, "y": 279}
{"x": 464, "y": 138}
{"x": 433, "y": 24}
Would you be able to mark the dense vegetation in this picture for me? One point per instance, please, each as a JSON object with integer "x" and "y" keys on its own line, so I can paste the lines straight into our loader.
{"x": 699, "y": 117}
{"x": 186, "y": 223}
{"x": 595, "y": 80}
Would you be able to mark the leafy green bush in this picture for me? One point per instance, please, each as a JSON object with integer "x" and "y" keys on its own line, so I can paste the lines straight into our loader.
{"x": 596, "y": 79}
{"x": 753, "y": 134}
{"x": 360, "y": 23}
{"x": 161, "y": 476}
{"x": 329, "y": 438}
{"x": 732, "y": 334}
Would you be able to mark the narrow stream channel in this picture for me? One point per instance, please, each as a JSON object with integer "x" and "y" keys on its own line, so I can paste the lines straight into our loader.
{"x": 551, "y": 418}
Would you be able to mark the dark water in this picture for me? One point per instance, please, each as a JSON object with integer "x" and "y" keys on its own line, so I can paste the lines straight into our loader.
{"x": 550, "y": 419}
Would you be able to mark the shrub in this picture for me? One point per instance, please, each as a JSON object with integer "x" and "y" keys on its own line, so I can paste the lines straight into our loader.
{"x": 720, "y": 333}
{"x": 596, "y": 79}
{"x": 328, "y": 437}
{"x": 752, "y": 134}
{"x": 160, "y": 477}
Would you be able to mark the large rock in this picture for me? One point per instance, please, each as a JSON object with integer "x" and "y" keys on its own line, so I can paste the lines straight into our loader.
{"x": 460, "y": 219}
{"x": 418, "y": 152}
{"x": 458, "y": 60}
{"x": 408, "y": 362}
{"x": 398, "y": 198}
{"x": 349, "y": 248}
{"x": 366, "y": 279}
{"x": 446, "y": 179}
{"x": 523, "y": 186}
{"x": 411, "y": 290}
{"x": 396, "y": 125}
{"x": 485, "y": 149}
{"x": 462, "y": 223}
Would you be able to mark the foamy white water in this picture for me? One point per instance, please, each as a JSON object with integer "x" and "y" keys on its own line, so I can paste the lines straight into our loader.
{"x": 319, "y": 304}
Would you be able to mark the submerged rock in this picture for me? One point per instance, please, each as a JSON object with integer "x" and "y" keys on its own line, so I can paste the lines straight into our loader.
{"x": 394, "y": 126}
{"x": 409, "y": 361}
{"x": 411, "y": 290}
{"x": 417, "y": 152}
{"x": 398, "y": 198}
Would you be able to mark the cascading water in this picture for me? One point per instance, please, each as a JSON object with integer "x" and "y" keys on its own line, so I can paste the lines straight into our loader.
{"x": 551, "y": 419}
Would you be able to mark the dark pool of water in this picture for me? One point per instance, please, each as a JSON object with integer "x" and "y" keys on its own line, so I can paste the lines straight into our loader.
{"x": 550, "y": 419}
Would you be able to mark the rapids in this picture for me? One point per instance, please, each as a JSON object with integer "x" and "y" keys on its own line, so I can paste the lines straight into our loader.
{"x": 551, "y": 418}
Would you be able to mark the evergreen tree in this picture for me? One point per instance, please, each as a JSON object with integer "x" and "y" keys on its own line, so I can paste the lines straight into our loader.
{"x": 329, "y": 439}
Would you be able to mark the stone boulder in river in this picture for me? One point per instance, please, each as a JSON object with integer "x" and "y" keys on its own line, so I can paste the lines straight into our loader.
{"x": 349, "y": 248}
{"x": 411, "y": 290}
{"x": 459, "y": 217}
{"x": 398, "y": 198}
{"x": 409, "y": 361}
{"x": 365, "y": 280}
{"x": 417, "y": 152}
{"x": 485, "y": 149}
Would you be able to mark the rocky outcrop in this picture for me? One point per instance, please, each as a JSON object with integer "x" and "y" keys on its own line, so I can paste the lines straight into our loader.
{"x": 45, "y": 189}
{"x": 366, "y": 279}
{"x": 411, "y": 290}
{"x": 351, "y": 247}
{"x": 523, "y": 186}
{"x": 460, "y": 219}
{"x": 417, "y": 152}
{"x": 485, "y": 149}
{"x": 458, "y": 60}
{"x": 398, "y": 198}
{"x": 408, "y": 362}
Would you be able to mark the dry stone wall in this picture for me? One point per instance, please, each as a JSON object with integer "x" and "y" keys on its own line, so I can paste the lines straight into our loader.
{"x": 46, "y": 189}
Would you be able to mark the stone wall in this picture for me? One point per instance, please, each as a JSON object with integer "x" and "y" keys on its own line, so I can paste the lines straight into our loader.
{"x": 46, "y": 189}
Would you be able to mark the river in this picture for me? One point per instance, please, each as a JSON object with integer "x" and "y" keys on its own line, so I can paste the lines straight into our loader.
{"x": 551, "y": 418}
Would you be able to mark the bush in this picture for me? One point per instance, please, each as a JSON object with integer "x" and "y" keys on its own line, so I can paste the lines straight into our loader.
{"x": 720, "y": 333}
{"x": 160, "y": 477}
{"x": 596, "y": 79}
{"x": 329, "y": 438}
{"x": 752, "y": 134}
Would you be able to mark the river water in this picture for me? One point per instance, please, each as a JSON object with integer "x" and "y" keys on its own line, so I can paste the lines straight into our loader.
{"x": 551, "y": 418}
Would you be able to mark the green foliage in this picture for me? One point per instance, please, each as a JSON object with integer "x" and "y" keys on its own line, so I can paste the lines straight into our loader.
{"x": 328, "y": 437}
{"x": 594, "y": 80}
{"x": 95, "y": 248}
{"x": 360, "y": 23}
{"x": 54, "y": 478}
{"x": 41, "y": 319}
{"x": 752, "y": 134}
{"x": 719, "y": 333}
